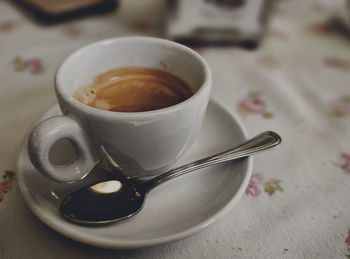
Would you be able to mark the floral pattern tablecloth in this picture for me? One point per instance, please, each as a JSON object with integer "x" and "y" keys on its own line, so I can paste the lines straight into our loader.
{"x": 297, "y": 83}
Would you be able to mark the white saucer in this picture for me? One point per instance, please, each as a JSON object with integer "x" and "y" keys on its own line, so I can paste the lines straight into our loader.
{"x": 172, "y": 211}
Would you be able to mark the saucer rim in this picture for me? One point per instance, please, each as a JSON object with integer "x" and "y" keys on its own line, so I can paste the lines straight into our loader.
{"x": 109, "y": 243}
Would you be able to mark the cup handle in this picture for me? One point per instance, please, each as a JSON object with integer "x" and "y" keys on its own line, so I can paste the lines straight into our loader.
{"x": 46, "y": 134}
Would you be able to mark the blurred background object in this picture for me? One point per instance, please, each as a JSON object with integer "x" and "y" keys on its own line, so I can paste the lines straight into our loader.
{"x": 52, "y": 11}
{"x": 341, "y": 19}
{"x": 218, "y": 22}
{"x": 195, "y": 22}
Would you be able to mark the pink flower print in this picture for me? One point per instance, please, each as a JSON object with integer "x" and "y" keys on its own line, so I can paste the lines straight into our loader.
{"x": 33, "y": 65}
{"x": 6, "y": 184}
{"x": 73, "y": 31}
{"x": 7, "y": 26}
{"x": 346, "y": 165}
{"x": 347, "y": 241}
{"x": 253, "y": 104}
{"x": 270, "y": 186}
{"x": 253, "y": 188}
{"x": 337, "y": 63}
{"x": 341, "y": 106}
{"x": 321, "y": 29}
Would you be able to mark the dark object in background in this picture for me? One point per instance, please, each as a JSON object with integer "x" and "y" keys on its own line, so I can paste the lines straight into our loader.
{"x": 218, "y": 22}
{"x": 54, "y": 11}
{"x": 228, "y": 3}
{"x": 341, "y": 20}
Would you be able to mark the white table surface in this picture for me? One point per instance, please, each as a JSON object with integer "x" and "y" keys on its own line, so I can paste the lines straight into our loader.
{"x": 296, "y": 83}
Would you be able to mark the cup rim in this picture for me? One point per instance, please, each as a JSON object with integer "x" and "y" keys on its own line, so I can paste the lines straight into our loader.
{"x": 68, "y": 98}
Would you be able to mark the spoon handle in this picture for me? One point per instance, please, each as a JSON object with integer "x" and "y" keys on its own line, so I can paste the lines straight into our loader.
{"x": 261, "y": 142}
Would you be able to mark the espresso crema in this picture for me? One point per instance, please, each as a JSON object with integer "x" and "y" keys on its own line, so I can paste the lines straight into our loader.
{"x": 134, "y": 89}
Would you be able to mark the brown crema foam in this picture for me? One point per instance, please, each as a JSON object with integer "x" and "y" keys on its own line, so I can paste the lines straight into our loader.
{"x": 134, "y": 89}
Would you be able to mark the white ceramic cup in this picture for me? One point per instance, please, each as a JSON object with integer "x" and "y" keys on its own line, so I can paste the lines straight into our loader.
{"x": 143, "y": 143}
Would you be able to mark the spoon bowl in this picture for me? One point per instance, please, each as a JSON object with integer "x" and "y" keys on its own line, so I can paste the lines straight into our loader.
{"x": 97, "y": 204}
{"x": 121, "y": 197}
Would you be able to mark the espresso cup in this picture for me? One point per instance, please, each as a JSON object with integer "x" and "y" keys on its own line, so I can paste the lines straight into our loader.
{"x": 142, "y": 143}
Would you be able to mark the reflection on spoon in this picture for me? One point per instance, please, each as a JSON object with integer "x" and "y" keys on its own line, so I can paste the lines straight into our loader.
{"x": 107, "y": 186}
{"x": 122, "y": 197}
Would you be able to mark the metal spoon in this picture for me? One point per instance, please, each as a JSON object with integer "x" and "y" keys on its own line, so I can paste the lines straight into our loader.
{"x": 121, "y": 198}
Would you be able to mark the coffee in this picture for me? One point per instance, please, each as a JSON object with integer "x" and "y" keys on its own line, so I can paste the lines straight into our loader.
{"x": 134, "y": 89}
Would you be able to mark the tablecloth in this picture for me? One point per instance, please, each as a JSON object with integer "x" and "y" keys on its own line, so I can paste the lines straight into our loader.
{"x": 297, "y": 83}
